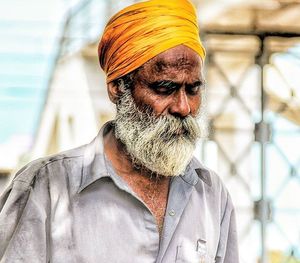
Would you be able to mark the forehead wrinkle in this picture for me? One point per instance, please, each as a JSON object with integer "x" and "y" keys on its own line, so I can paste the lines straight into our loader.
{"x": 178, "y": 63}
{"x": 160, "y": 72}
{"x": 170, "y": 64}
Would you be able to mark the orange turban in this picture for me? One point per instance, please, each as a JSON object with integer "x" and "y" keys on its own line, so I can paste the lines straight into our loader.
{"x": 143, "y": 30}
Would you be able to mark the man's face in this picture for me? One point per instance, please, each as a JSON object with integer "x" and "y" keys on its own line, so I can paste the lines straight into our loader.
{"x": 156, "y": 118}
{"x": 171, "y": 83}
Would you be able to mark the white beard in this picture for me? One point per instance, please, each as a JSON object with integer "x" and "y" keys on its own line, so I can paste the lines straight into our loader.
{"x": 164, "y": 145}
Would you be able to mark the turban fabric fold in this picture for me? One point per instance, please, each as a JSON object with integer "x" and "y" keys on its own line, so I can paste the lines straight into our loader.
{"x": 143, "y": 30}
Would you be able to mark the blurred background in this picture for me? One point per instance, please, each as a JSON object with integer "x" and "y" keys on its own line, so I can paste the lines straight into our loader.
{"x": 53, "y": 97}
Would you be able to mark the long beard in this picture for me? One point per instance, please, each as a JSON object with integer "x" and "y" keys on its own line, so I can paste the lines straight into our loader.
{"x": 164, "y": 145}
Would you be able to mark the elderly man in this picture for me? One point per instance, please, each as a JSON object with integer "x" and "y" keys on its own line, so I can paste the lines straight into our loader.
{"x": 134, "y": 194}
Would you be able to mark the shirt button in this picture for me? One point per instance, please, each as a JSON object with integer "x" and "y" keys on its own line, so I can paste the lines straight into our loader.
{"x": 172, "y": 212}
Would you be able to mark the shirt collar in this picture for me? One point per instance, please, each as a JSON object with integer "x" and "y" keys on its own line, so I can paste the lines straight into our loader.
{"x": 93, "y": 166}
{"x": 195, "y": 171}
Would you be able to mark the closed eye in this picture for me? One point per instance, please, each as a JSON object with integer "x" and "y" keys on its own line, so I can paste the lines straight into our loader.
{"x": 167, "y": 87}
{"x": 193, "y": 89}
{"x": 164, "y": 87}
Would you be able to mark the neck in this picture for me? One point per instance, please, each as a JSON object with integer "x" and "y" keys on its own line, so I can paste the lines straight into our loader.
{"x": 151, "y": 188}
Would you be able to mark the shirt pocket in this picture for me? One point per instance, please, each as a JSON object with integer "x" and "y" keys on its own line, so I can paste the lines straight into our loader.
{"x": 187, "y": 253}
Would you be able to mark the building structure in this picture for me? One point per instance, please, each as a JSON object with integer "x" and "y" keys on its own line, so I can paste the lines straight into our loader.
{"x": 254, "y": 102}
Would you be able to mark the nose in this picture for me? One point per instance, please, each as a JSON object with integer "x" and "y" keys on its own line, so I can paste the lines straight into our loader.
{"x": 180, "y": 104}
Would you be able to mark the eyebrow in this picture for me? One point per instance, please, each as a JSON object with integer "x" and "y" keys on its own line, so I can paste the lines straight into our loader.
{"x": 173, "y": 84}
{"x": 165, "y": 84}
{"x": 199, "y": 83}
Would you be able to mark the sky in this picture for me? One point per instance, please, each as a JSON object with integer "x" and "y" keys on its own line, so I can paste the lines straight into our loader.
{"x": 29, "y": 33}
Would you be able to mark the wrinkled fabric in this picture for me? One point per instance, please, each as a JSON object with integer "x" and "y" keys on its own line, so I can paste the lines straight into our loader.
{"x": 143, "y": 30}
{"x": 73, "y": 207}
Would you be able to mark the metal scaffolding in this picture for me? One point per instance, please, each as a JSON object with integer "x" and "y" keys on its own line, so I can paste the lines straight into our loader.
{"x": 253, "y": 46}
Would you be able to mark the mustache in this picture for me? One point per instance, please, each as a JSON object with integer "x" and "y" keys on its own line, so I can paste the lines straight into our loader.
{"x": 169, "y": 128}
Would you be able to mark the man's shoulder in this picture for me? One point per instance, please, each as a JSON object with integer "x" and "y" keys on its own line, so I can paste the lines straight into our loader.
{"x": 39, "y": 167}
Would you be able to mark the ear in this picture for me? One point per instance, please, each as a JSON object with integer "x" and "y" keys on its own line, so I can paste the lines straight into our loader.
{"x": 114, "y": 92}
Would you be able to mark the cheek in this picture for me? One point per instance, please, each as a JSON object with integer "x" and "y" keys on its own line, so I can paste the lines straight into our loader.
{"x": 157, "y": 104}
{"x": 160, "y": 106}
{"x": 195, "y": 104}
{"x": 143, "y": 98}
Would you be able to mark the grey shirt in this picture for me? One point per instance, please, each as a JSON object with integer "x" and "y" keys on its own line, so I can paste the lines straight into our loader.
{"x": 73, "y": 207}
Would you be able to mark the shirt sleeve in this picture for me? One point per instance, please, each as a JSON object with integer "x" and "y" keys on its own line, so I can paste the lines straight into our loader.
{"x": 228, "y": 244}
{"x": 24, "y": 221}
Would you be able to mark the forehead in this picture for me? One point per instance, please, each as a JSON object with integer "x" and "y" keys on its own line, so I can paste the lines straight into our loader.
{"x": 173, "y": 63}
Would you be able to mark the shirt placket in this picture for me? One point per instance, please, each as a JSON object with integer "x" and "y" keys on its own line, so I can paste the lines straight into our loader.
{"x": 179, "y": 195}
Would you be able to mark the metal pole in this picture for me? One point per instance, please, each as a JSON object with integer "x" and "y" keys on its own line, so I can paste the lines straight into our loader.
{"x": 263, "y": 202}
